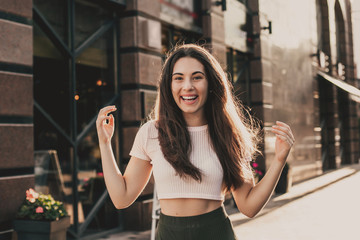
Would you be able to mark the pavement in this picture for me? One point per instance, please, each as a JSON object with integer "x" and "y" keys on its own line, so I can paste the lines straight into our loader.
{"x": 330, "y": 213}
{"x": 298, "y": 191}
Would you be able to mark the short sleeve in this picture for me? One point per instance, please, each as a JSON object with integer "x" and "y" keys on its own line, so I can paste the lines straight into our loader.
{"x": 139, "y": 146}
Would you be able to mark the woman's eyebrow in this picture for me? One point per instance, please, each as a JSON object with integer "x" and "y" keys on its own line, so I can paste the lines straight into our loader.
{"x": 196, "y": 72}
{"x": 177, "y": 73}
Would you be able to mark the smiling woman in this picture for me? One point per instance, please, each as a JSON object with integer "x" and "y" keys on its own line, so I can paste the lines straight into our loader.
{"x": 198, "y": 145}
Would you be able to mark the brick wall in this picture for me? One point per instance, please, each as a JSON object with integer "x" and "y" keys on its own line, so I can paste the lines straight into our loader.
{"x": 16, "y": 108}
{"x": 140, "y": 56}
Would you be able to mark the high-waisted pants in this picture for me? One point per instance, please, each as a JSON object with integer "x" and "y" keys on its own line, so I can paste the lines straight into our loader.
{"x": 214, "y": 225}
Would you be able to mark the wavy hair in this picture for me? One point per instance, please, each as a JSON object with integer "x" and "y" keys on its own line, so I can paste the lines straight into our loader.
{"x": 234, "y": 138}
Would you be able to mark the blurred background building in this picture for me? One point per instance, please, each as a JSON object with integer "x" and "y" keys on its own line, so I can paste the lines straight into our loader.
{"x": 61, "y": 61}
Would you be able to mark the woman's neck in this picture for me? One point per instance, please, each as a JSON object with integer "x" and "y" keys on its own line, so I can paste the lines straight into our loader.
{"x": 195, "y": 120}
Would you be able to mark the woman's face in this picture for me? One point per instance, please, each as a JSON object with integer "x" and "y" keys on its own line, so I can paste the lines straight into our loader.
{"x": 189, "y": 88}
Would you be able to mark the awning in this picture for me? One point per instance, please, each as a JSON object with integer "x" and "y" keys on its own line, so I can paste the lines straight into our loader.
{"x": 353, "y": 91}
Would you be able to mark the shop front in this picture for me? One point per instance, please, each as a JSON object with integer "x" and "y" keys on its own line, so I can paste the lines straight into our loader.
{"x": 76, "y": 72}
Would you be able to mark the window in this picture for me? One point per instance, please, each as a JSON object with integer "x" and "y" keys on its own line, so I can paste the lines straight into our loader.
{"x": 238, "y": 69}
{"x": 171, "y": 36}
{"x": 75, "y": 74}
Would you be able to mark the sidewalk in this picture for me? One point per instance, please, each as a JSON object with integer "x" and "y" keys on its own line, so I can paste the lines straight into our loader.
{"x": 297, "y": 191}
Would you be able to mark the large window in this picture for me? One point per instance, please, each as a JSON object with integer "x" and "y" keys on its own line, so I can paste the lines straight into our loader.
{"x": 171, "y": 36}
{"x": 238, "y": 68}
{"x": 75, "y": 74}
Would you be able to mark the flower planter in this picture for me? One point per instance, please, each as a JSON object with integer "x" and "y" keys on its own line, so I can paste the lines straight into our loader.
{"x": 41, "y": 230}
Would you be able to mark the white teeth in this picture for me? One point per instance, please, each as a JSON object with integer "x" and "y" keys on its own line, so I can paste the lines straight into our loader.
{"x": 189, "y": 98}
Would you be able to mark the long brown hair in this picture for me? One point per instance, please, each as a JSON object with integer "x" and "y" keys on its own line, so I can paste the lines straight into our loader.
{"x": 233, "y": 138}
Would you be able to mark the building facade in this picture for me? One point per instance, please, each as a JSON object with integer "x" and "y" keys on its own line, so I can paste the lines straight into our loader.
{"x": 61, "y": 61}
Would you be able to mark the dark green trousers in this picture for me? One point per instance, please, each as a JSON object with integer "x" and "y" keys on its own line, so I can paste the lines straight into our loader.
{"x": 214, "y": 225}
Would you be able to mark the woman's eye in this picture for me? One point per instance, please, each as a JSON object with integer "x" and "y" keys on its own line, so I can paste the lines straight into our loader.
{"x": 198, "y": 77}
{"x": 177, "y": 78}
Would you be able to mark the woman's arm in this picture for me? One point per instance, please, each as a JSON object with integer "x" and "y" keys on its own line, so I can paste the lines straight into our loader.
{"x": 251, "y": 198}
{"x": 123, "y": 189}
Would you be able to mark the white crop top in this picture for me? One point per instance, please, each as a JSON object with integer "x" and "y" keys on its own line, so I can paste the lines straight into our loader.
{"x": 168, "y": 183}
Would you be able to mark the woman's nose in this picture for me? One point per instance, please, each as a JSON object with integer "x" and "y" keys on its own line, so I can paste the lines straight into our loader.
{"x": 188, "y": 84}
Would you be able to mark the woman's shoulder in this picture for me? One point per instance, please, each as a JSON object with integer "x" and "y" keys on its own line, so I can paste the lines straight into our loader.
{"x": 149, "y": 128}
{"x": 148, "y": 124}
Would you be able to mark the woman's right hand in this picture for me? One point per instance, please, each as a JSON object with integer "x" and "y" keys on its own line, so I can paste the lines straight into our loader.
{"x": 105, "y": 124}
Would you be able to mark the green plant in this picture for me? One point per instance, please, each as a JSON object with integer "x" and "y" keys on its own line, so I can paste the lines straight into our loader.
{"x": 38, "y": 206}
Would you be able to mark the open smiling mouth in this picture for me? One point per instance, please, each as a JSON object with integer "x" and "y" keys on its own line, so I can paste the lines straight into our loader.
{"x": 189, "y": 98}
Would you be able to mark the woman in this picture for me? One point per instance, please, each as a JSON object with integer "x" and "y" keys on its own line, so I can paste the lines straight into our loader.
{"x": 198, "y": 146}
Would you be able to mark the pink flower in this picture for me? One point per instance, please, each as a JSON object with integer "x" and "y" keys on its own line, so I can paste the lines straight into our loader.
{"x": 31, "y": 195}
{"x": 39, "y": 210}
{"x": 255, "y": 165}
{"x": 259, "y": 172}
{"x": 100, "y": 174}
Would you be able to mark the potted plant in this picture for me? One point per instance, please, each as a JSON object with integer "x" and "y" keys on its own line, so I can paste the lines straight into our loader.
{"x": 41, "y": 217}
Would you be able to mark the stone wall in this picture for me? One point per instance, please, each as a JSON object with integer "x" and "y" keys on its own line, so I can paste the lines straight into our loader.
{"x": 16, "y": 108}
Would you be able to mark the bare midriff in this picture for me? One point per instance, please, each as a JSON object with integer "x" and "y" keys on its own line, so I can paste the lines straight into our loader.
{"x": 184, "y": 207}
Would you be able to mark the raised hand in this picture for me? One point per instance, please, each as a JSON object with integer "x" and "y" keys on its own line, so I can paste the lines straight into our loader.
{"x": 284, "y": 140}
{"x": 105, "y": 124}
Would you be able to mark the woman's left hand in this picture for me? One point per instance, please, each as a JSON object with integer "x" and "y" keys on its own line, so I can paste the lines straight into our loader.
{"x": 284, "y": 140}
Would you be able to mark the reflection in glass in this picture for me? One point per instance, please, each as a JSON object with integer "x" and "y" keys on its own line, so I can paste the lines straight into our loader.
{"x": 170, "y": 37}
{"x": 51, "y": 83}
{"x": 89, "y": 17}
{"x": 54, "y": 13}
{"x": 238, "y": 68}
{"x": 92, "y": 185}
{"x": 95, "y": 79}
{"x": 49, "y": 138}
